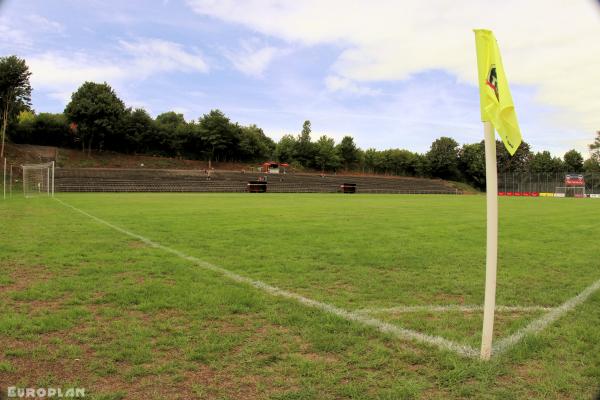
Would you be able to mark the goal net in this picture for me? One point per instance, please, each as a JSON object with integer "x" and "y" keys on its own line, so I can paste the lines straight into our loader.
{"x": 569, "y": 191}
{"x": 38, "y": 179}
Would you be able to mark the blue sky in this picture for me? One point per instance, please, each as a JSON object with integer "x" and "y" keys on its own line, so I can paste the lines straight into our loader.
{"x": 392, "y": 74}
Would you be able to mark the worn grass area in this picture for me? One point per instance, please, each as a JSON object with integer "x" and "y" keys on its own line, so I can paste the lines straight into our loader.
{"x": 83, "y": 305}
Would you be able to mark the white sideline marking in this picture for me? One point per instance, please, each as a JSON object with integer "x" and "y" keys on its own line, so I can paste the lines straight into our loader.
{"x": 541, "y": 323}
{"x": 403, "y": 333}
{"x": 450, "y": 308}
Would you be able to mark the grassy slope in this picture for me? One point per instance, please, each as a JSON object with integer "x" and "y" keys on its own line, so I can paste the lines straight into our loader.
{"x": 73, "y": 158}
{"x": 464, "y": 187}
{"x": 84, "y": 305}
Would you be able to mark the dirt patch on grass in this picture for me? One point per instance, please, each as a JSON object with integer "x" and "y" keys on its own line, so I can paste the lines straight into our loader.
{"x": 209, "y": 384}
{"x": 317, "y": 357}
{"x": 446, "y": 298}
{"x": 41, "y": 361}
{"x": 433, "y": 393}
{"x": 24, "y": 276}
{"x": 45, "y": 361}
{"x": 528, "y": 372}
{"x": 34, "y": 307}
{"x": 136, "y": 244}
{"x": 134, "y": 276}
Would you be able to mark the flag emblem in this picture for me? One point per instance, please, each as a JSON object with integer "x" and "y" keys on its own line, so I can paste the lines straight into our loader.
{"x": 492, "y": 81}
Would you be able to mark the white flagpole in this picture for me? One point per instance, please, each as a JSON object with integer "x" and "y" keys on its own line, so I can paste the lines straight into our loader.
{"x": 491, "y": 185}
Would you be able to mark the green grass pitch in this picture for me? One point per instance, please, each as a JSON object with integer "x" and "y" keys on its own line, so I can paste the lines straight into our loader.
{"x": 83, "y": 305}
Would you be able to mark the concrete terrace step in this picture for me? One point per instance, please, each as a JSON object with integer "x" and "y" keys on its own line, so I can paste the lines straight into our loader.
{"x": 143, "y": 180}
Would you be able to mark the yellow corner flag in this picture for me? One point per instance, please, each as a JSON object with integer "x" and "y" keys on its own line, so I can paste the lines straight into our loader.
{"x": 496, "y": 102}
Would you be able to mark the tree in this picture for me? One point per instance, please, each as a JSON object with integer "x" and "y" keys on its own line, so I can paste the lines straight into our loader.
{"x": 371, "y": 160}
{"x": 558, "y": 164}
{"x": 173, "y": 133}
{"x": 543, "y": 162}
{"x": 442, "y": 158}
{"x": 96, "y": 110}
{"x": 217, "y": 133}
{"x": 573, "y": 161}
{"x": 360, "y": 159}
{"x": 347, "y": 152}
{"x": 595, "y": 147}
{"x": 304, "y": 149}
{"x": 472, "y": 163}
{"x": 285, "y": 149}
{"x": 44, "y": 129}
{"x": 325, "y": 155}
{"x": 591, "y": 165}
{"x": 138, "y": 132}
{"x": 170, "y": 118}
{"x": 421, "y": 165}
{"x": 24, "y": 132}
{"x": 52, "y": 130}
{"x": 254, "y": 144}
{"x": 400, "y": 162}
{"x": 15, "y": 91}
{"x": 519, "y": 162}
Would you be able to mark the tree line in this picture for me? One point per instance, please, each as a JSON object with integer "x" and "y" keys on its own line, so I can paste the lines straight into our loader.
{"x": 95, "y": 119}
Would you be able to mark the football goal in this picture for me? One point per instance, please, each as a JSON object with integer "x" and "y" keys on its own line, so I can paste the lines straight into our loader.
{"x": 569, "y": 191}
{"x": 38, "y": 179}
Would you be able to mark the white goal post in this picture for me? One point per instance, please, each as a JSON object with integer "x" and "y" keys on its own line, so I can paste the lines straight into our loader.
{"x": 38, "y": 179}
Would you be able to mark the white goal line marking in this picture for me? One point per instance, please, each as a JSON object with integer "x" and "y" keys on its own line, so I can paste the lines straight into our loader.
{"x": 384, "y": 327}
{"x": 450, "y": 308}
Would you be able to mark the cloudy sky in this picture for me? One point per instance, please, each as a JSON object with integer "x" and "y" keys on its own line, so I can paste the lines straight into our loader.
{"x": 391, "y": 73}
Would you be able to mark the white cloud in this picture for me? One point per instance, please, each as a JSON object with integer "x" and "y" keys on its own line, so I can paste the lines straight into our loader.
{"x": 60, "y": 73}
{"x": 17, "y": 35}
{"x": 151, "y": 56}
{"x": 337, "y": 83}
{"x": 253, "y": 58}
{"x": 15, "y": 38}
{"x": 551, "y": 45}
{"x": 12, "y": 38}
{"x": 43, "y": 24}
